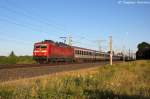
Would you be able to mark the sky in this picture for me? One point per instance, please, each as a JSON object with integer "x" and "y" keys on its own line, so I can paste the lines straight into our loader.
{"x": 88, "y": 22}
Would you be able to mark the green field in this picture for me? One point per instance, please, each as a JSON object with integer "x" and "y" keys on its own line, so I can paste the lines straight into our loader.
{"x": 125, "y": 80}
{"x": 16, "y": 60}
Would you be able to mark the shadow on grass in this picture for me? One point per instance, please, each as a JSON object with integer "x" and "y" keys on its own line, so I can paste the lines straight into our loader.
{"x": 97, "y": 94}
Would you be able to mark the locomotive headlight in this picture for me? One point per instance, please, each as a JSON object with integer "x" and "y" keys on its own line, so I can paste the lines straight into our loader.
{"x": 44, "y": 51}
{"x": 35, "y": 51}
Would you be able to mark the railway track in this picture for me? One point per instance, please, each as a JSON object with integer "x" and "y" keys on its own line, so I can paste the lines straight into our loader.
{"x": 8, "y": 66}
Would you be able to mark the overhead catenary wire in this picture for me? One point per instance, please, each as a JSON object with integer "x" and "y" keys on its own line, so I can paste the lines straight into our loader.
{"x": 25, "y": 26}
{"x": 33, "y": 18}
{"x": 4, "y": 38}
{"x": 19, "y": 24}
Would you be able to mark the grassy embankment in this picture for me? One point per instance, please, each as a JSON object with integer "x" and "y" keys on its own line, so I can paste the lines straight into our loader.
{"x": 16, "y": 60}
{"x": 128, "y": 80}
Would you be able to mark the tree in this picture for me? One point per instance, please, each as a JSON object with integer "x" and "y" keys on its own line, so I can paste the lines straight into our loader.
{"x": 12, "y": 53}
{"x": 143, "y": 46}
{"x": 12, "y": 59}
{"x": 143, "y": 51}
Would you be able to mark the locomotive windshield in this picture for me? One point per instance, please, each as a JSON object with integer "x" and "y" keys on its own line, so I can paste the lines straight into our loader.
{"x": 40, "y": 46}
{"x": 37, "y": 46}
{"x": 43, "y": 46}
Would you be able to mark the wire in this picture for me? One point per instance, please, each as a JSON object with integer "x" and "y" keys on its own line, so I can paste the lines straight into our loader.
{"x": 33, "y": 18}
{"x": 18, "y": 24}
{"x": 14, "y": 40}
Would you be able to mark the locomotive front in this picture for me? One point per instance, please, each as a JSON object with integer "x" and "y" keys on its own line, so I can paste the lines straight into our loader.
{"x": 40, "y": 51}
{"x": 49, "y": 51}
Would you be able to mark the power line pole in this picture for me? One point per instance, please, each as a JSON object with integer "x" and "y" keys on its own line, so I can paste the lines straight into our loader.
{"x": 129, "y": 54}
{"x": 110, "y": 46}
{"x": 64, "y": 39}
{"x": 124, "y": 53}
{"x": 69, "y": 40}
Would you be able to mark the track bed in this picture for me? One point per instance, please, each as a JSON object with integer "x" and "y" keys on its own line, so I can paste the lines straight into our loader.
{"x": 27, "y": 71}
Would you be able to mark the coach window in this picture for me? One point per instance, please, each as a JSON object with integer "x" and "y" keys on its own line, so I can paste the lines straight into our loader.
{"x": 78, "y": 51}
{"x": 88, "y": 53}
{"x": 82, "y": 52}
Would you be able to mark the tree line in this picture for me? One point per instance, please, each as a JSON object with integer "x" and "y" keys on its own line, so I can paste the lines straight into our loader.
{"x": 13, "y": 59}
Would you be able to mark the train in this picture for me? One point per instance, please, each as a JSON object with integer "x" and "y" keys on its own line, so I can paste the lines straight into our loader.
{"x": 48, "y": 51}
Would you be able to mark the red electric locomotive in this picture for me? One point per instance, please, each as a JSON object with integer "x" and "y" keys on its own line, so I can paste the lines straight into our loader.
{"x": 49, "y": 51}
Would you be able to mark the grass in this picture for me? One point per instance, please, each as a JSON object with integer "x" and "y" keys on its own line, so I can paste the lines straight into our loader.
{"x": 120, "y": 81}
{"x": 16, "y": 60}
